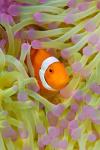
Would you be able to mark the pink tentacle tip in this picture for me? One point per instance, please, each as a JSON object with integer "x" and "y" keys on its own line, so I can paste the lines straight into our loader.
{"x": 53, "y": 132}
{"x": 31, "y": 33}
{"x": 34, "y": 87}
{"x": 63, "y": 144}
{"x": 2, "y": 43}
{"x": 92, "y": 137}
{"x": 6, "y": 18}
{"x": 87, "y": 51}
{"x": 23, "y": 133}
{"x": 22, "y": 96}
{"x": 93, "y": 39}
{"x": 96, "y": 121}
{"x": 18, "y": 34}
{"x": 65, "y": 53}
{"x": 89, "y": 112}
{"x": 77, "y": 66}
{"x": 75, "y": 38}
{"x": 70, "y": 115}
{"x": 90, "y": 26}
{"x": 63, "y": 123}
{"x": 8, "y": 132}
{"x": 36, "y": 44}
{"x": 83, "y": 6}
{"x": 40, "y": 129}
{"x": 15, "y": 88}
{"x": 25, "y": 47}
{"x": 46, "y": 139}
{"x": 13, "y": 10}
{"x": 69, "y": 18}
{"x": 74, "y": 107}
{"x": 38, "y": 17}
{"x": 87, "y": 97}
{"x": 78, "y": 95}
{"x": 59, "y": 144}
{"x": 73, "y": 125}
{"x": 81, "y": 116}
{"x": 58, "y": 110}
{"x": 95, "y": 88}
{"x": 71, "y": 3}
{"x": 98, "y": 45}
{"x": 66, "y": 92}
{"x": 98, "y": 5}
{"x": 85, "y": 73}
{"x": 52, "y": 119}
{"x": 76, "y": 133}
{"x": 40, "y": 143}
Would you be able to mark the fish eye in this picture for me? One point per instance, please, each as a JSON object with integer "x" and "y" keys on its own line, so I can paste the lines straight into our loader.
{"x": 51, "y": 70}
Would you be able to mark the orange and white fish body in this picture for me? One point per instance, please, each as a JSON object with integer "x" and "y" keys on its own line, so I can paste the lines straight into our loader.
{"x": 49, "y": 71}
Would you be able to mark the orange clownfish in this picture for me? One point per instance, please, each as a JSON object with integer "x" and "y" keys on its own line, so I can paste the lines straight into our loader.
{"x": 49, "y": 71}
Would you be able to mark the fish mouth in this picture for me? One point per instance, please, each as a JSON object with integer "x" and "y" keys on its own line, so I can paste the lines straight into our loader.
{"x": 62, "y": 85}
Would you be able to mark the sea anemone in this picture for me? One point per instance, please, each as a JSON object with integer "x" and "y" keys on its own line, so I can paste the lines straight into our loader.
{"x": 70, "y": 119}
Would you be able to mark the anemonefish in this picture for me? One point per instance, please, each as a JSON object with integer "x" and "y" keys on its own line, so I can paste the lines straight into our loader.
{"x": 49, "y": 71}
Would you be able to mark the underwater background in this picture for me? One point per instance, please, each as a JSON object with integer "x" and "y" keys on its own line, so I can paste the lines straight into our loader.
{"x": 69, "y": 119}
